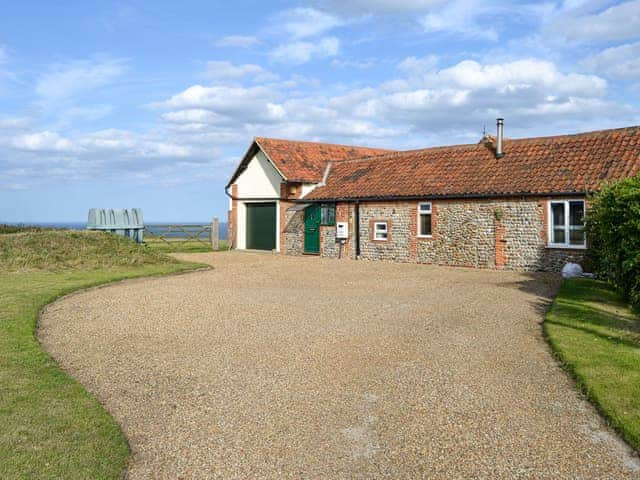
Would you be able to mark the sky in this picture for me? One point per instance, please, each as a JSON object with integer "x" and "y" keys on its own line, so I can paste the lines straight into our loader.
{"x": 153, "y": 104}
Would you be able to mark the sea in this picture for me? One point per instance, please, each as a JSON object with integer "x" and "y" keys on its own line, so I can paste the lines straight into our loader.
{"x": 153, "y": 227}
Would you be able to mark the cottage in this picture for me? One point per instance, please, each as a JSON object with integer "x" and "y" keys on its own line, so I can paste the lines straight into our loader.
{"x": 501, "y": 203}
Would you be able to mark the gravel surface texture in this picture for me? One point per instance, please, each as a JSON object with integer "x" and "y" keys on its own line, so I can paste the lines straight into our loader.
{"x": 283, "y": 367}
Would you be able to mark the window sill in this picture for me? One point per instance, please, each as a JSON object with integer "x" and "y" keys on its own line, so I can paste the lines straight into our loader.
{"x": 425, "y": 237}
{"x": 552, "y": 246}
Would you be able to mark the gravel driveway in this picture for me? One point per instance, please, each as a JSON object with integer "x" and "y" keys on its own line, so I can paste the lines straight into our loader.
{"x": 282, "y": 367}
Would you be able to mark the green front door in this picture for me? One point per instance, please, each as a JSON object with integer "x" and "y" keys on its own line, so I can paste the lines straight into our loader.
{"x": 312, "y": 229}
{"x": 261, "y": 226}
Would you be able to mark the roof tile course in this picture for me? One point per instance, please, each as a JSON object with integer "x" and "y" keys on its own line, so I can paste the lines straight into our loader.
{"x": 306, "y": 161}
{"x": 563, "y": 164}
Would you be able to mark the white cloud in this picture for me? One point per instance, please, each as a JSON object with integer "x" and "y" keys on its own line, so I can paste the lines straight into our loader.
{"x": 347, "y": 63}
{"x": 44, "y": 141}
{"x": 150, "y": 157}
{"x": 305, "y": 22}
{"x": 192, "y": 116}
{"x": 472, "y": 18}
{"x": 66, "y": 80}
{"x": 12, "y": 123}
{"x": 381, "y": 7}
{"x": 418, "y": 66}
{"x": 428, "y": 102}
{"x": 228, "y": 104}
{"x": 133, "y": 145}
{"x": 618, "y": 22}
{"x": 109, "y": 140}
{"x": 302, "y": 52}
{"x": 521, "y": 73}
{"x": 617, "y": 62}
{"x": 239, "y": 41}
{"x": 275, "y": 111}
{"x": 533, "y": 93}
{"x": 222, "y": 98}
{"x": 225, "y": 70}
{"x": 460, "y": 16}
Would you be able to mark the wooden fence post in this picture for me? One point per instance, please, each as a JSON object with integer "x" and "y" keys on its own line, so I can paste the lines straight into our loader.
{"x": 215, "y": 237}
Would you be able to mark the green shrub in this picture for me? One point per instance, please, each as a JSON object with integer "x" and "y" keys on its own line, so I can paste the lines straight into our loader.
{"x": 6, "y": 229}
{"x": 614, "y": 235}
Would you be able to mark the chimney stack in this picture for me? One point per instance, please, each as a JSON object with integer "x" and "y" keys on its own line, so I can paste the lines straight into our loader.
{"x": 500, "y": 138}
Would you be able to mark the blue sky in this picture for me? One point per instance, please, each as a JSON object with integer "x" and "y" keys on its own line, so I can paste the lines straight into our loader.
{"x": 152, "y": 104}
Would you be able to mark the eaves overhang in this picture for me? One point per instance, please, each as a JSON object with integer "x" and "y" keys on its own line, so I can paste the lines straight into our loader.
{"x": 453, "y": 196}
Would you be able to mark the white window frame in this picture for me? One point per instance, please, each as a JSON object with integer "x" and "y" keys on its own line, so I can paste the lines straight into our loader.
{"x": 375, "y": 231}
{"x": 567, "y": 226}
{"x": 420, "y": 213}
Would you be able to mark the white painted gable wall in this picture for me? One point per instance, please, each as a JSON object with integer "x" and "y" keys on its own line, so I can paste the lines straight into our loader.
{"x": 260, "y": 180}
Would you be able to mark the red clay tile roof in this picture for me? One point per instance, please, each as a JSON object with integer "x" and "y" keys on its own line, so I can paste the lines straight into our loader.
{"x": 563, "y": 164}
{"x": 306, "y": 161}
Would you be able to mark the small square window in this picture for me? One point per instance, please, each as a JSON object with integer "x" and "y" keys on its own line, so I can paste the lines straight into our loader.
{"x": 380, "y": 231}
{"x": 328, "y": 214}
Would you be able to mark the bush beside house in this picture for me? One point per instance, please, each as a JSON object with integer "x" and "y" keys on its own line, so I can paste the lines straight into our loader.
{"x": 614, "y": 230}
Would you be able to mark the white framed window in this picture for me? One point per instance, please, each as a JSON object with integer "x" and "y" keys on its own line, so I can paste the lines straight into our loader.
{"x": 380, "y": 231}
{"x": 424, "y": 219}
{"x": 566, "y": 224}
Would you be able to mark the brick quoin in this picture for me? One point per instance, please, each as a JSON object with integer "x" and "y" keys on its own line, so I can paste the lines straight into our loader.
{"x": 284, "y": 205}
{"x": 413, "y": 233}
{"x": 501, "y": 257}
{"x": 344, "y": 213}
{"x": 542, "y": 205}
{"x": 232, "y": 221}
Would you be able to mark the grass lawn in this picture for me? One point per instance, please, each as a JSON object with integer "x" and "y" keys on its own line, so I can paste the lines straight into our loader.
{"x": 180, "y": 246}
{"x": 598, "y": 338}
{"x": 51, "y": 427}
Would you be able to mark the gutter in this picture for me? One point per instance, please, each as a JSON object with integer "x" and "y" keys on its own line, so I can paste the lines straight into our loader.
{"x": 255, "y": 199}
{"x": 444, "y": 197}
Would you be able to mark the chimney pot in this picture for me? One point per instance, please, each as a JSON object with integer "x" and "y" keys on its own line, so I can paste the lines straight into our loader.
{"x": 500, "y": 138}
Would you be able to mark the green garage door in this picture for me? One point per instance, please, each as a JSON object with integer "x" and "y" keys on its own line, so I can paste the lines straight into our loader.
{"x": 261, "y": 226}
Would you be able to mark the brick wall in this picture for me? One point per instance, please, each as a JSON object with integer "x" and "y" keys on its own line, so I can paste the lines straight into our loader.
{"x": 328, "y": 244}
{"x": 463, "y": 235}
{"x": 345, "y": 213}
{"x": 291, "y": 223}
{"x": 292, "y": 233}
{"x": 398, "y": 218}
{"x": 502, "y": 233}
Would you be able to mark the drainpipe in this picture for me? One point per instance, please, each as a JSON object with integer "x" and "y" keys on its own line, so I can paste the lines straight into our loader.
{"x": 357, "y": 228}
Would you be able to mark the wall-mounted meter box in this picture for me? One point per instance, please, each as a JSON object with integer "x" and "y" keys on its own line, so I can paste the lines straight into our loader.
{"x": 342, "y": 230}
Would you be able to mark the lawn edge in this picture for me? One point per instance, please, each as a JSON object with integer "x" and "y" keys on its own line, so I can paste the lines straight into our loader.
{"x": 197, "y": 267}
{"x": 581, "y": 384}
